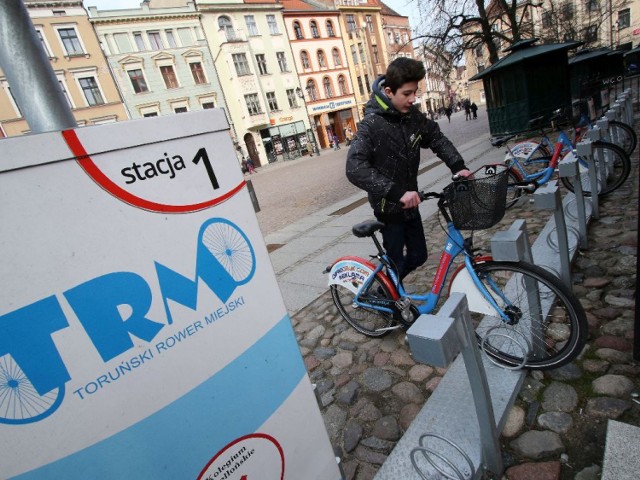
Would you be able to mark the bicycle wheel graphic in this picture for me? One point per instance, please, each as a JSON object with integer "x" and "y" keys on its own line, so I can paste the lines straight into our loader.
{"x": 231, "y": 247}
{"x": 19, "y": 401}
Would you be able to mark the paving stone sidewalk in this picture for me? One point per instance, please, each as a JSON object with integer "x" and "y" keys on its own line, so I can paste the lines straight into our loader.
{"x": 371, "y": 389}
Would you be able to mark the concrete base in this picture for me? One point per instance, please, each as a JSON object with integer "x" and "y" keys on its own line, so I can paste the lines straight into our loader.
{"x": 621, "y": 459}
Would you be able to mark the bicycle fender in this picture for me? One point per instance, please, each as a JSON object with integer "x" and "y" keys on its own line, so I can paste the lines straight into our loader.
{"x": 351, "y": 272}
{"x": 521, "y": 150}
{"x": 461, "y": 282}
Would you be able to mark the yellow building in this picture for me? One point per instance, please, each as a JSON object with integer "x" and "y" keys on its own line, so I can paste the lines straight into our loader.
{"x": 78, "y": 62}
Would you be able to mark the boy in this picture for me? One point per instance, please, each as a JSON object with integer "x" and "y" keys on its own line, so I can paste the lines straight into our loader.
{"x": 384, "y": 157}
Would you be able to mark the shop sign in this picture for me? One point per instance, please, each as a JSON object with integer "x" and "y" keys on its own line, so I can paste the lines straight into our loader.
{"x": 332, "y": 105}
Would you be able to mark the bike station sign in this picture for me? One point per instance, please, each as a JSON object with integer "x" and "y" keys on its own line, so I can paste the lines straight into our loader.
{"x": 142, "y": 331}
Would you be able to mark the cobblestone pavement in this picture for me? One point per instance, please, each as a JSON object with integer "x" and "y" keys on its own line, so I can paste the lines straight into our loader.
{"x": 371, "y": 389}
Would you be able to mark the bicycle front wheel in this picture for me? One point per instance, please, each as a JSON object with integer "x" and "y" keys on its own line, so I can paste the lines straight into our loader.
{"x": 547, "y": 327}
{"x": 607, "y": 156}
{"x": 513, "y": 193}
{"x": 368, "y": 321}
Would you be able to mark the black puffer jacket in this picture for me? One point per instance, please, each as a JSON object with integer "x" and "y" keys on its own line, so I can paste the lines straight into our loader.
{"x": 384, "y": 155}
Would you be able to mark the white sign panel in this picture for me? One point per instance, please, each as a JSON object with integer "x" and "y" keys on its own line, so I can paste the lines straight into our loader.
{"x": 142, "y": 331}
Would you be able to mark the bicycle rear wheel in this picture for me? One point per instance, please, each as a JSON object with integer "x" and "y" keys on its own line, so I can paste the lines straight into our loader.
{"x": 367, "y": 321}
{"x": 548, "y": 325}
{"x": 625, "y": 135}
{"x": 529, "y": 162}
{"x": 618, "y": 166}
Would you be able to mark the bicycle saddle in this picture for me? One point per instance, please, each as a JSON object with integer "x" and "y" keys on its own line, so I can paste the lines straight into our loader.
{"x": 501, "y": 140}
{"x": 366, "y": 229}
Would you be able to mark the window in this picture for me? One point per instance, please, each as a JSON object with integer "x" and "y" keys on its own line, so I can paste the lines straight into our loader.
{"x": 180, "y": 109}
{"x": 208, "y": 105}
{"x": 479, "y": 51}
{"x": 91, "y": 91}
{"x": 396, "y": 37}
{"x": 225, "y": 24}
{"x": 186, "y": 38}
{"x": 376, "y": 55}
{"x": 322, "y": 59}
{"x": 169, "y": 76}
{"x": 171, "y": 39}
{"x": 273, "y": 25}
{"x": 262, "y": 64}
{"x": 198, "y": 73}
{"x": 297, "y": 30}
{"x": 43, "y": 43}
{"x": 155, "y": 41}
{"x": 282, "y": 61}
{"x": 272, "y": 101}
{"x": 137, "y": 80}
{"x": 330, "y": 31}
{"x": 252, "y": 27}
{"x": 241, "y": 64}
{"x": 567, "y": 11}
{"x": 335, "y": 53}
{"x": 480, "y": 68}
{"x": 312, "y": 90}
{"x": 314, "y": 29}
{"x": 328, "y": 89}
{"x": 547, "y": 19}
{"x": 367, "y": 83}
{"x": 137, "y": 36}
{"x": 7, "y": 88}
{"x": 63, "y": 87}
{"x": 253, "y": 104}
{"x": 593, "y": 5}
{"x": 291, "y": 97}
{"x": 369, "y": 21}
{"x": 342, "y": 85}
{"x": 624, "y": 18}
{"x": 150, "y": 114}
{"x": 591, "y": 33}
{"x": 304, "y": 58}
{"x": 351, "y": 23}
{"x": 354, "y": 55}
{"x": 360, "y": 86}
{"x": 361, "y": 50}
{"x": 70, "y": 41}
{"x": 122, "y": 42}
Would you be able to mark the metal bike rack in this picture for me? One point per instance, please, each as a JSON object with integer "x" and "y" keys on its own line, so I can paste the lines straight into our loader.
{"x": 437, "y": 340}
{"x": 548, "y": 197}
{"x": 568, "y": 167}
{"x": 611, "y": 116}
{"x": 603, "y": 125}
{"x": 584, "y": 150}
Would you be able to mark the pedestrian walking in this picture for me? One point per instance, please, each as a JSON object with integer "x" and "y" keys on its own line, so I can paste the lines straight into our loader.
{"x": 467, "y": 110}
{"x": 384, "y": 158}
{"x": 250, "y": 166}
{"x": 474, "y": 110}
{"x": 447, "y": 112}
{"x": 348, "y": 134}
{"x": 336, "y": 143}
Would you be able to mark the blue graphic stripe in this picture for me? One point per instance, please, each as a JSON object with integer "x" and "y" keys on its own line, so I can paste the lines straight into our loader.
{"x": 178, "y": 441}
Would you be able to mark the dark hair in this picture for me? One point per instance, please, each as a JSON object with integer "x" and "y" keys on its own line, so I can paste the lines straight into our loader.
{"x": 403, "y": 70}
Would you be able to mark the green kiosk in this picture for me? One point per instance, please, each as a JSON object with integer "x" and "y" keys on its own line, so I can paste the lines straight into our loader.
{"x": 530, "y": 82}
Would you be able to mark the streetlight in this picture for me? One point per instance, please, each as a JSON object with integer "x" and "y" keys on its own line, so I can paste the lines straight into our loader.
{"x": 310, "y": 136}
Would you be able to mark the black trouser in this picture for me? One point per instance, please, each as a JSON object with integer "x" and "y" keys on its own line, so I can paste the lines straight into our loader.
{"x": 409, "y": 234}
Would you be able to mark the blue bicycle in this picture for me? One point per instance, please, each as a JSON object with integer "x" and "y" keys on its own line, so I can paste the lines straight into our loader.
{"x": 524, "y": 316}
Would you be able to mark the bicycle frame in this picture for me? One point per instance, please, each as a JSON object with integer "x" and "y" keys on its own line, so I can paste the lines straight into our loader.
{"x": 453, "y": 247}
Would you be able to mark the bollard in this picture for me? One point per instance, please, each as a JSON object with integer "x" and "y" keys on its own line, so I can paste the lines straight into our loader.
{"x": 584, "y": 151}
{"x": 568, "y": 167}
{"x": 252, "y": 195}
{"x": 548, "y": 197}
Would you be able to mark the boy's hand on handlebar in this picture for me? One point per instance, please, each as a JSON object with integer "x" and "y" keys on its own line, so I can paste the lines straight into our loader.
{"x": 462, "y": 174}
{"x": 410, "y": 199}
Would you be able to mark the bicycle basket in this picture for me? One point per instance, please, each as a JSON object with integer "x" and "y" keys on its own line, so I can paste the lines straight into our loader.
{"x": 479, "y": 202}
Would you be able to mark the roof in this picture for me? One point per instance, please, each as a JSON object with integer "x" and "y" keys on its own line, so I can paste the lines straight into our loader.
{"x": 588, "y": 54}
{"x": 525, "y": 50}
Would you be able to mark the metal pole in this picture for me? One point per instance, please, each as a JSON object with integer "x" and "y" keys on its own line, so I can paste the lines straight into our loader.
{"x": 33, "y": 82}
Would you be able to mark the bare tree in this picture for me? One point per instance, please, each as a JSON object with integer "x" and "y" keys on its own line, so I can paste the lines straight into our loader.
{"x": 458, "y": 25}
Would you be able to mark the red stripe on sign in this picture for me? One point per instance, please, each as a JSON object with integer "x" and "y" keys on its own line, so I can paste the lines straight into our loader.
{"x": 85, "y": 161}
